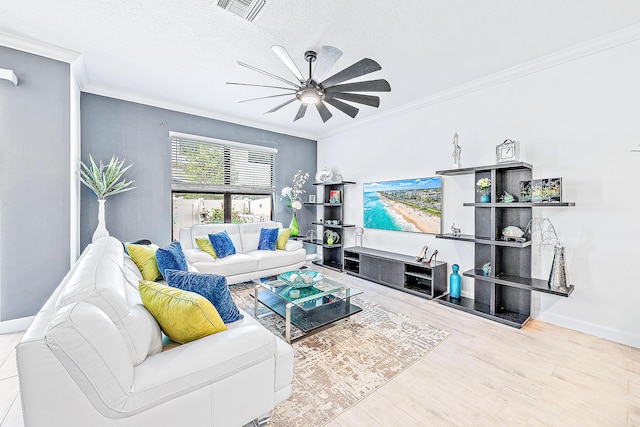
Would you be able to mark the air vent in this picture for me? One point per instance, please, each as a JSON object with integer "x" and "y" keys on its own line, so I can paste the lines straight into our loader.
{"x": 247, "y": 9}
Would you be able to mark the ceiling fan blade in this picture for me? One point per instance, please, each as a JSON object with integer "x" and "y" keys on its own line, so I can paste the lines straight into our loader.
{"x": 284, "y": 57}
{"x": 327, "y": 58}
{"x": 324, "y": 111}
{"x": 366, "y": 86}
{"x": 280, "y": 106}
{"x": 301, "y": 111}
{"x": 254, "y": 85}
{"x": 349, "y": 110}
{"x": 265, "y": 97}
{"x": 251, "y": 67}
{"x": 360, "y": 68}
{"x": 372, "y": 101}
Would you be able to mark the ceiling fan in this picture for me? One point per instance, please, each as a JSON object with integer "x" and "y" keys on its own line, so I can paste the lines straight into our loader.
{"x": 316, "y": 91}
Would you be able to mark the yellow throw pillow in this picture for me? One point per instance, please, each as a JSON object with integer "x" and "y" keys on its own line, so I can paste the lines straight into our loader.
{"x": 145, "y": 258}
{"x": 183, "y": 316}
{"x": 283, "y": 236}
{"x": 205, "y": 246}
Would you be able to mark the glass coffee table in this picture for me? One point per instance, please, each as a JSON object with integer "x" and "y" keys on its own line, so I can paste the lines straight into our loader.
{"x": 315, "y": 308}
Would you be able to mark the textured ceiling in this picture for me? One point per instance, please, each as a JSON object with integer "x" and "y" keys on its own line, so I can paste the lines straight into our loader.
{"x": 182, "y": 53}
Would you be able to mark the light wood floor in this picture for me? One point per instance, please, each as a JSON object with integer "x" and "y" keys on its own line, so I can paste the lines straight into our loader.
{"x": 484, "y": 374}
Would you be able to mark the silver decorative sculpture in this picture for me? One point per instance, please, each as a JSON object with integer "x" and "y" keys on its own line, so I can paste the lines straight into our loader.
{"x": 359, "y": 232}
{"x": 558, "y": 276}
{"x": 457, "y": 150}
{"x": 455, "y": 231}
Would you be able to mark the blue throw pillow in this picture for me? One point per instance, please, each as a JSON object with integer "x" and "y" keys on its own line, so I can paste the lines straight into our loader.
{"x": 171, "y": 258}
{"x": 268, "y": 239}
{"x": 222, "y": 244}
{"x": 211, "y": 286}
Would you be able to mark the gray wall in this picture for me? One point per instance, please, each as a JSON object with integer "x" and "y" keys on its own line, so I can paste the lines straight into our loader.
{"x": 34, "y": 182}
{"x": 140, "y": 134}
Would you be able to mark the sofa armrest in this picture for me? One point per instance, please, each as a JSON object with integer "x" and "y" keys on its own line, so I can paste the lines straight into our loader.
{"x": 293, "y": 245}
{"x": 199, "y": 363}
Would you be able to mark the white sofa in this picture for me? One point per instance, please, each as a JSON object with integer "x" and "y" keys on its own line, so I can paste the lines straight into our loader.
{"x": 248, "y": 262}
{"x": 93, "y": 357}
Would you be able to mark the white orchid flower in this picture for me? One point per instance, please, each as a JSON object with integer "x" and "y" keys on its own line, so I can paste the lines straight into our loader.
{"x": 286, "y": 192}
{"x": 296, "y": 205}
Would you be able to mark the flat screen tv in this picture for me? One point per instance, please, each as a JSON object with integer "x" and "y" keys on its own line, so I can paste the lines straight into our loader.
{"x": 404, "y": 205}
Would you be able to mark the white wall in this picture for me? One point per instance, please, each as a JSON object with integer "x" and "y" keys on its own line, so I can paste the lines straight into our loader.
{"x": 576, "y": 120}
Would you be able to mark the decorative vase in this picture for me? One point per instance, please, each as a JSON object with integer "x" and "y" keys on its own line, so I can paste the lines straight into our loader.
{"x": 101, "y": 229}
{"x": 455, "y": 282}
{"x": 485, "y": 198}
{"x": 558, "y": 275}
{"x": 294, "y": 229}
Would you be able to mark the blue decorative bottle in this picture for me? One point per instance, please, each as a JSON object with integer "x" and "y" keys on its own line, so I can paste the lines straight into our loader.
{"x": 455, "y": 282}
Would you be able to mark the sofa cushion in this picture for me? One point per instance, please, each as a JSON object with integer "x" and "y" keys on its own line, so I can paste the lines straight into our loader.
{"x": 172, "y": 258}
{"x": 183, "y": 316}
{"x": 275, "y": 259}
{"x": 203, "y": 230}
{"x": 222, "y": 244}
{"x": 145, "y": 258}
{"x": 229, "y": 266}
{"x": 212, "y": 286}
{"x": 204, "y": 244}
{"x": 89, "y": 346}
{"x": 250, "y": 234}
{"x": 283, "y": 236}
{"x": 268, "y": 239}
{"x": 101, "y": 278}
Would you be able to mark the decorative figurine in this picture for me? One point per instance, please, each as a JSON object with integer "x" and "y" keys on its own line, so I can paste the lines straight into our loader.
{"x": 507, "y": 198}
{"x": 432, "y": 258}
{"x": 486, "y": 269}
{"x": 455, "y": 231}
{"x": 456, "y": 152}
{"x": 332, "y": 237}
{"x": 423, "y": 254}
{"x": 513, "y": 233}
{"x": 358, "y": 235}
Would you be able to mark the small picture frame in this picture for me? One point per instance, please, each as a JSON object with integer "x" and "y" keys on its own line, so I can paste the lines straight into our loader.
{"x": 312, "y": 198}
{"x": 537, "y": 191}
{"x": 555, "y": 190}
{"x": 334, "y": 196}
{"x": 525, "y": 191}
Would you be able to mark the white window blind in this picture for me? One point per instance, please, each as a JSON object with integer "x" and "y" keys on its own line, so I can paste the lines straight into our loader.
{"x": 201, "y": 164}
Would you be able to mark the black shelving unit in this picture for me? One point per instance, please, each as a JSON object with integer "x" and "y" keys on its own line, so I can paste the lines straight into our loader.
{"x": 505, "y": 294}
{"x": 332, "y": 255}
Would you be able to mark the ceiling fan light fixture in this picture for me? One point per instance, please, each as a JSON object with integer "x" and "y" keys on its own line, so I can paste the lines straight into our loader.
{"x": 310, "y": 95}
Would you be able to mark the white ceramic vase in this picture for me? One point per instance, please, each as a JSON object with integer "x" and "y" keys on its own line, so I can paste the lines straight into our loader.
{"x": 101, "y": 229}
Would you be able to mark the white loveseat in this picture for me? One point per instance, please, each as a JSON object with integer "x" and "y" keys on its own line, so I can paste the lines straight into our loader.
{"x": 93, "y": 357}
{"x": 248, "y": 262}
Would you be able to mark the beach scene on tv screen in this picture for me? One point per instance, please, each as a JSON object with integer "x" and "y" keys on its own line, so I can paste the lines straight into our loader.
{"x": 404, "y": 205}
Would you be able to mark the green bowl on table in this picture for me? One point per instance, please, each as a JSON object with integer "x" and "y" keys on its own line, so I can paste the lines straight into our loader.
{"x": 301, "y": 278}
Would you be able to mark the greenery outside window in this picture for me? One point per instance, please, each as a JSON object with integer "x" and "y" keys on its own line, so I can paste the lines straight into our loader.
{"x": 216, "y": 181}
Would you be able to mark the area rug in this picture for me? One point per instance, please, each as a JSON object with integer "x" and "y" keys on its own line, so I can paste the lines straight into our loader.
{"x": 336, "y": 368}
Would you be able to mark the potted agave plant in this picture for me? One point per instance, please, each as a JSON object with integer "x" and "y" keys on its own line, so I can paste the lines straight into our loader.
{"x": 104, "y": 180}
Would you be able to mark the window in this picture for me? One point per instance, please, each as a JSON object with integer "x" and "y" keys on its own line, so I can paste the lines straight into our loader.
{"x": 216, "y": 181}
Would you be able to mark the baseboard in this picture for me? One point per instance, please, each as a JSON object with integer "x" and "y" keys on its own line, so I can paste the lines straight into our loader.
{"x": 16, "y": 325}
{"x": 610, "y": 334}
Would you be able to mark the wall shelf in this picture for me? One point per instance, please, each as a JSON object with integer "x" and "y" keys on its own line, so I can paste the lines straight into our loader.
{"x": 505, "y": 296}
{"x": 332, "y": 255}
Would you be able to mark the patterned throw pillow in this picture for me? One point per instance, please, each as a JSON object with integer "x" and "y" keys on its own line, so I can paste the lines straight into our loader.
{"x": 145, "y": 258}
{"x": 268, "y": 239}
{"x": 283, "y": 237}
{"x": 171, "y": 258}
{"x": 222, "y": 244}
{"x": 211, "y": 286}
{"x": 183, "y": 316}
{"x": 205, "y": 246}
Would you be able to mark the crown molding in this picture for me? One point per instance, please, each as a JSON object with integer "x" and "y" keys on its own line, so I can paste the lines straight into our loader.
{"x": 573, "y": 53}
{"x": 168, "y": 105}
{"x": 38, "y": 48}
